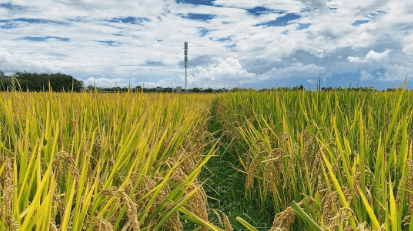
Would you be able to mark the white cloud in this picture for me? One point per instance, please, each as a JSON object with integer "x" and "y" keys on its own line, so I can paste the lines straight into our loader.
{"x": 311, "y": 81}
{"x": 371, "y": 56}
{"x": 296, "y": 69}
{"x": 237, "y": 50}
{"x": 365, "y": 75}
{"x": 398, "y": 72}
{"x": 408, "y": 49}
{"x": 13, "y": 63}
{"x": 377, "y": 56}
{"x": 228, "y": 70}
{"x": 354, "y": 59}
{"x": 247, "y": 4}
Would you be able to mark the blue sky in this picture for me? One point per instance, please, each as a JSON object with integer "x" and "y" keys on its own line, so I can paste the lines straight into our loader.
{"x": 245, "y": 43}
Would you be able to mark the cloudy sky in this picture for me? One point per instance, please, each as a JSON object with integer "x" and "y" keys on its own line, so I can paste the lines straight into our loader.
{"x": 260, "y": 43}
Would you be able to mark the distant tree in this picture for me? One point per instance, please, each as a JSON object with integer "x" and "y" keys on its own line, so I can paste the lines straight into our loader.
{"x": 221, "y": 90}
{"x": 62, "y": 82}
{"x": 209, "y": 90}
{"x": 4, "y": 81}
{"x": 150, "y": 90}
{"x": 168, "y": 89}
{"x": 40, "y": 82}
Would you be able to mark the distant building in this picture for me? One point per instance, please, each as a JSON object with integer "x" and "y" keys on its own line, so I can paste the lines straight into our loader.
{"x": 178, "y": 89}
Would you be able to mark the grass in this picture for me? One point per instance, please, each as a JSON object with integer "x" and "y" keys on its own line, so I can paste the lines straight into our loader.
{"x": 225, "y": 185}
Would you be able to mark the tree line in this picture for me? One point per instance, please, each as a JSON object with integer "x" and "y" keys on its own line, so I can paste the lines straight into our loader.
{"x": 61, "y": 82}
{"x": 152, "y": 90}
{"x": 39, "y": 82}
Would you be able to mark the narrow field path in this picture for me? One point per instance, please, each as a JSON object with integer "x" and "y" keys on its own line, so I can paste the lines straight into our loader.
{"x": 226, "y": 185}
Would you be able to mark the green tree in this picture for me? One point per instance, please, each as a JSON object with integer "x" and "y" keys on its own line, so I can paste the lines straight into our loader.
{"x": 40, "y": 82}
{"x": 4, "y": 81}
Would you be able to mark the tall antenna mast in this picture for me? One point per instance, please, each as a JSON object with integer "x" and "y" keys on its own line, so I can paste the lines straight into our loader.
{"x": 186, "y": 63}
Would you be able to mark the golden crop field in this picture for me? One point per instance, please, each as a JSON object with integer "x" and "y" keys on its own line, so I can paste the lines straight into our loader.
{"x": 331, "y": 160}
{"x": 85, "y": 161}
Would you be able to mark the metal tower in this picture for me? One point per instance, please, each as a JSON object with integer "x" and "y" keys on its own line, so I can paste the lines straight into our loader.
{"x": 186, "y": 62}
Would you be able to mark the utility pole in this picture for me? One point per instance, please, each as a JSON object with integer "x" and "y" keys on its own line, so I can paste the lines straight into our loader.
{"x": 186, "y": 63}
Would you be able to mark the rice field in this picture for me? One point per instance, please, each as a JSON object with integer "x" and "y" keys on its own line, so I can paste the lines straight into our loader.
{"x": 88, "y": 161}
{"x": 331, "y": 160}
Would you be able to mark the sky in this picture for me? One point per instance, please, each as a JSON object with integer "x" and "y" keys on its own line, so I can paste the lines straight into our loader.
{"x": 232, "y": 43}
